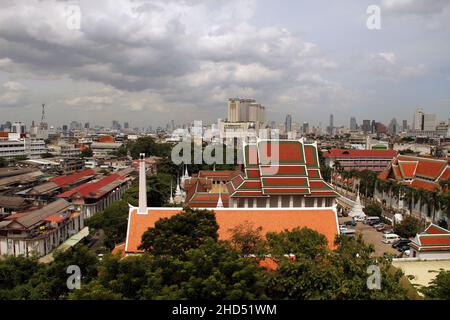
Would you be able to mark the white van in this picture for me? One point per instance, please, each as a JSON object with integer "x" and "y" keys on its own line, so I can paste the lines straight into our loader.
{"x": 390, "y": 238}
{"x": 370, "y": 219}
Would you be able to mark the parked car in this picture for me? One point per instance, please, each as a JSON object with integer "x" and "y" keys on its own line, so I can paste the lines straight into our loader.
{"x": 370, "y": 220}
{"x": 381, "y": 228}
{"x": 388, "y": 230}
{"x": 348, "y": 232}
{"x": 403, "y": 248}
{"x": 359, "y": 218}
{"x": 400, "y": 243}
{"x": 376, "y": 225}
{"x": 390, "y": 238}
{"x": 351, "y": 223}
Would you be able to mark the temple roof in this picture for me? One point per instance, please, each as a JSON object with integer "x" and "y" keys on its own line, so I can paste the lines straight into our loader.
{"x": 322, "y": 220}
{"x": 418, "y": 172}
{"x": 279, "y": 167}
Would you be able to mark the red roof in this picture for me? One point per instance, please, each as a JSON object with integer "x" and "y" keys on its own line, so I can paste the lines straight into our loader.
{"x": 352, "y": 153}
{"x": 72, "y": 178}
{"x": 93, "y": 188}
{"x": 418, "y": 172}
{"x": 55, "y": 219}
{"x": 323, "y": 221}
{"x": 291, "y": 172}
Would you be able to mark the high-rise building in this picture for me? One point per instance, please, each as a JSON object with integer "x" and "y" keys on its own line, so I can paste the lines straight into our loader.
{"x": 418, "y": 119}
{"x": 393, "y": 127}
{"x": 331, "y": 126}
{"x": 353, "y": 124}
{"x": 245, "y": 110}
{"x": 18, "y": 127}
{"x": 373, "y": 127}
{"x": 86, "y": 125}
{"x": 429, "y": 122}
{"x": 288, "y": 123}
{"x": 405, "y": 125}
{"x": 305, "y": 127}
{"x": 126, "y": 125}
{"x": 366, "y": 126}
{"x": 116, "y": 125}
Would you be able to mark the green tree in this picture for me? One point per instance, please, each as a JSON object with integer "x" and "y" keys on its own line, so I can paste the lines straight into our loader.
{"x": 113, "y": 221}
{"x": 87, "y": 153}
{"x": 3, "y": 162}
{"x": 409, "y": 227}
{"x": 245, "y": 238}
{"x": 373, "y": 210}
{"x": 439, "y": 288}
{"x": 175, "y": 235}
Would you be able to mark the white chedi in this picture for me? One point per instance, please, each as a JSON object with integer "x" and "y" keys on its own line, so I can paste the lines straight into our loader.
{"x": 357, "y": 210}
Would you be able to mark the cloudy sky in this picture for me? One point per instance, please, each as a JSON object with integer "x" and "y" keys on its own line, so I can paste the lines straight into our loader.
{"x": 148, "y": 62}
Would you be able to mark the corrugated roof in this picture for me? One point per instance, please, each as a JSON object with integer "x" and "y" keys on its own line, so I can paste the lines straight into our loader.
{"x": 33, "y": 217}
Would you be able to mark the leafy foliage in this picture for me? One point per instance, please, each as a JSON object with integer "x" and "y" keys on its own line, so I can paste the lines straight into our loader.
{"x": 176, "y": 235}
{"x": 439, "y": 288}
{"x": 373, "y": 210}
{"x": 408, "y": 227}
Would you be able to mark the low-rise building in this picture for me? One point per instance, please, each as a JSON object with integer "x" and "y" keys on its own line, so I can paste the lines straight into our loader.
{"x": 94, "y": 196}
{"x": 350, "y": 159}
{"x": 38, "y": 232}
{"x": 432, "y": 244}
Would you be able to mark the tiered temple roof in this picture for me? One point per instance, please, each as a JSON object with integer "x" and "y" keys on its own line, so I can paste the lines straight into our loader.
{"x": 279, "y": 167}
{"x": 418, "y": 172}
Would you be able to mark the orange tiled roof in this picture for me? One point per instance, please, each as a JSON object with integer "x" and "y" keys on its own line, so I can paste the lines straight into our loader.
{"x": 323, "y": 221}
{"x": 418, "y": 172}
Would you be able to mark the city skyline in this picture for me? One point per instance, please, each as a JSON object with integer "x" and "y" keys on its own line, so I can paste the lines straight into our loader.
{"x": 191, "y": 57}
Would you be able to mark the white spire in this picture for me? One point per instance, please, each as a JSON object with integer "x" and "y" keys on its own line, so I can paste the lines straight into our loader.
{"x": 178, "y": 190}
{"x": 171, "y": 201}
{"x": 142, "y": 185}
{"x": 186, "y": 173}
{"x": 219, "y": 202}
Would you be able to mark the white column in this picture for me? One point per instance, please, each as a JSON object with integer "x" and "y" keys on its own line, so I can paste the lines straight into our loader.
{"x": 303, "y": 202}
{"x": 315, "y": 202}
{"x": 279, "y": 202}
{"x": 245, "y": 203}
{"x": 291, "y": 201}
{"x": 267, "y": 202}
{"x": 142, "y": 185}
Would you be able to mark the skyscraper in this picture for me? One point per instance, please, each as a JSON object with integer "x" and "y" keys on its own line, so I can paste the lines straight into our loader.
{"x": 288, "y": 123}
{"x": 305, "y": 127}
{"x": 366, "y": 126}
{"x": 353, "y": 124}
{"x": 418, "y": 119}
{"x": 126, "y": 125}
{"x": 405, "y": 125}
{"x": 331, "y": 126}
{"x": 429, "y": 122}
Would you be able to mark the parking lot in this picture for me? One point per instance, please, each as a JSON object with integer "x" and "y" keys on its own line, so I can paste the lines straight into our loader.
{"x": 372, "y": 236}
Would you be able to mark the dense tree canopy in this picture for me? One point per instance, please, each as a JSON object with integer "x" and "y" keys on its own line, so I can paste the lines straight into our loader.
{"x": 185, "y": 260}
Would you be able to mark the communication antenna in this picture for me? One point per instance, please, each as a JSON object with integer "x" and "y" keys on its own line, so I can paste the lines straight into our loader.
{"x": 43, "y": 113}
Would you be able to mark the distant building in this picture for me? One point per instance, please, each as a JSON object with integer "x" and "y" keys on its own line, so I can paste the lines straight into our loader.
{"x": 419, "y": 173}
{"x": 38, "y": 232}
{"x": 353, "y": 124}
{"x": 18, "y": 127}
{"x": 405, "y": 126}
{"x": 305, "y": 128}
{"x": 418, "y": 119}
{"x": 366, "y": 126}
{"x": 246, "y": 110}
{"x": 350, "y": 159}
{"x": 288, "y": 123}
